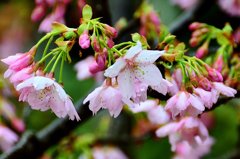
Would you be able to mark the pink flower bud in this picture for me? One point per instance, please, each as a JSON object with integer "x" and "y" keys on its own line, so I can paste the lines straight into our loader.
{"x": 201, "y": 52}
{"x": 154, "y": 17}
{"x": 38, "y": 13}
{"x": 214, "y": 75}
{"x": 18, "y": 124}
{"x": 110, "y": 31}
{"x": 194, "y": 41}
{"x": 219, "y": 63}
{"x": 84, "y": 40}
{"x": 95, "y": 44}
{"x": 59, "y": 11}
{"x": 101, "y": 59}
{"x": 196, "y": 33}
{"x": 205, "y": 84}
{"x": 195, "y": 25}
{"x": 110, "y": 42}
{"x": 94, "y": 68}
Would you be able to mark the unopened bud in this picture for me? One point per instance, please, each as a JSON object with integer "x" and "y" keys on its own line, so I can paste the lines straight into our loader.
{"x": 38, "y": 13}
{"x": 213, "y": 74}
{"x": 94, "y": 68}
{"x": 59, "y": 11}
{"x": 196, "y": 33}
{"x": 194, "y": 41}
{"x": 84, "y": 40}
{"x": 110, "y": 31}
{"x": 95, "y": 44}
{"x": 121, "y": 23}
{"x": 203, "y": 50}
{"x": 195, "y": 25}
{"x": 205, "y": 84}
{"x": 110, "y": 42}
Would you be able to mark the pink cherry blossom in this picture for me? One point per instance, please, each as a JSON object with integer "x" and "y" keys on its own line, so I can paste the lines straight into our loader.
{"x": 108, "y": 152}
{"x": 107, "y": 97}
{"x": 232, "y": 7}
{"x": 185, "y": 4}
{"x": 207, "y": 98}
{"x": 185, "y": 151}
{"x": 144, "y": 106}
{"x": 141, "y": 92}
{"x": 183, "y": 103}
{"x": 137, "y": 63}
{"x": 186, "y": 129}
{"x": 176, "y": 81}
{"x": 223, "y": 89}
{"x": 163, "y": 87}
{"x": 155, "y": 112}
{"x": 83, "y": 70}
{"x": 44, "y": 93}
{"x": 19, "y": 61}
{"x": 7, "y": 138}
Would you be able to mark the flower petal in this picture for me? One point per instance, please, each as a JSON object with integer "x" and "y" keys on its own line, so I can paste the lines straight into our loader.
{"x": 147, "y": 57}
{"x": 149, "y": 74}
{"x": 133, "y": 51}
{"x": 126, "y": 81}
{"x": 114, "y": 70}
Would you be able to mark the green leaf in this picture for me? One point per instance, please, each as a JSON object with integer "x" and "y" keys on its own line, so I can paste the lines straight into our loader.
{"x": 222, "y": 40}
{"x": 81, "y": 28}
{"x": 87, "y": 12}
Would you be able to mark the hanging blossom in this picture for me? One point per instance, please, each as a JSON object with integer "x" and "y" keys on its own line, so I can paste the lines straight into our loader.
{"x": 183, "y": 103}
{"x": 107, "y": 96}
{"x": 19, "y": 61}
{"x": 185, "y": 151}
{"x": 155, "y": 112}
{"x": 186, "y": 129}
{"x": 7, "y": 138}
{"x": 136, "y": 64}
{"x": 44, "y": 93}
{"x": 82, "y": 68}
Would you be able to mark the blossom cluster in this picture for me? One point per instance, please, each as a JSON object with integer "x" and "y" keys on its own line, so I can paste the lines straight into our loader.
{"x": 128, "y": 71}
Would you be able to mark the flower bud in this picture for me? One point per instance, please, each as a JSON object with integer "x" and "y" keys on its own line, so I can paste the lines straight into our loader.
{"x": 101, "y": 59}
{"x": 95, "y": 44}
{"x": 196, "y": 33}
{"x": 110, "y": 31}
{"x": 205, "y": 84}
{"x": 154, "y": 17}
{"x": 194, "y": 41}
{"x": 59, "y": 10}
{"x": 18, "y": 124}
{"x": 38, "y": 13}
{"x": 213, "y": 74}
{"x": 195, "y": 25}
{"x": 94, "y": 68}
{"x": 203, "y": 50}
{"x": 84, "y": 40}
{"x": 110, "y": 42}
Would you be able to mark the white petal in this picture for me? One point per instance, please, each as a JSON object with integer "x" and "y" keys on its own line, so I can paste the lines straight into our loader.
{"x": 126, "y": 80}
{"x": 149, "y": 74}
{"x": 147, "y": 57}
{"x": 133, "y": 51}
{"x": 196, "y": 103}
{"x": 113, "y": 70}
{"x": 42, "y": 82}
{"x": 27, "y": 83}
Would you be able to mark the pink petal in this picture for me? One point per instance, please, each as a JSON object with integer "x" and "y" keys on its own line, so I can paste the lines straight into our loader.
{"x": 182, "y": 101}
{"x": 166, "y": 130}
{"x": 196, "y": 103}
{"x": 93, "y": 94}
